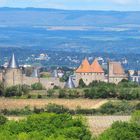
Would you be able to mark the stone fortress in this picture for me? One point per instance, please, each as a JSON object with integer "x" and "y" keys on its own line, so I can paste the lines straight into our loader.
{"x": 13, "y": 75}
{"x": 94, "y": 72}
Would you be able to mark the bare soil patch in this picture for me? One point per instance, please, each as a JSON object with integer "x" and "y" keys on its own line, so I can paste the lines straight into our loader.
{"x": 98, "y": 124}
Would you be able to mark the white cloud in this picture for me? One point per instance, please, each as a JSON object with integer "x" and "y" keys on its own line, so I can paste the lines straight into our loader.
{"x": 124, "y": 2}
{"x": 2, "y": 1}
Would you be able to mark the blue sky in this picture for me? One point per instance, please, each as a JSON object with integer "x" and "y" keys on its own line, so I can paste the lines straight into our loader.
{"x": 120, "y": 5}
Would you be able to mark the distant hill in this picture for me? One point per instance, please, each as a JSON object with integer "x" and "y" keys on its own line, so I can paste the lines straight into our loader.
{"x": 66, "y": 30}
{"x": 54, "y": 17}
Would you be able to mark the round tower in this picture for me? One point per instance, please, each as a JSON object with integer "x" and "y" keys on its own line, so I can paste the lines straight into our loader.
{"x": 12, "y": 74}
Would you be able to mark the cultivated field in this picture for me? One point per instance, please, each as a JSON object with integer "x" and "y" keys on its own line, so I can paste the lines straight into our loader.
{"x": 70, "y": 103}
{"x": 99, "y": 124}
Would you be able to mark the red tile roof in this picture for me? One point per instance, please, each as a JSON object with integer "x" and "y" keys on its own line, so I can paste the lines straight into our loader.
{"x": 117, "y": 68}
{"x": 85, "y": 67}
{"x": 96, "y": 67}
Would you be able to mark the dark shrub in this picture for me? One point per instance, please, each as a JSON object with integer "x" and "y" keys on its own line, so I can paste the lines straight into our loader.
{"x": 25, "y": 89}
{"x": 3, "y": 120}
{"x": 37, "y": 86}
{"x": 121, "y": 131}
{"x": 38, "y": 110}
{"x": 39, "y": 96}
{"x": 86, "y": 111}
{"x": 138, "y": 106}
{"x": 13, "y": 91}
{"x": 29, "y": 96}
{"x": 128, "y": 84}
{"x": 73, "y": 94}
{"x": 62, "y": 93}
{"x": 93, "y": 84}
{"x": 56, "y": 87}
{"x": 86, "y": 93}
{"x": 59, "y": 109}
{"x": 136, "y": 118}
{"x": 50, "y": 92}
{"x": 81, "y": 83}
{"x": 92, "y": 93}
{"x": 1, "y": 88}
{"x": 101, "y": 90}
{"x": 129, "y": 94}
{"x": 117, "y": 108}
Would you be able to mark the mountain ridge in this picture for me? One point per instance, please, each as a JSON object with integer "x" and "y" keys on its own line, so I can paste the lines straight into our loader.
{"x": 56, "y": 17}
{"x": 55, "y": 9}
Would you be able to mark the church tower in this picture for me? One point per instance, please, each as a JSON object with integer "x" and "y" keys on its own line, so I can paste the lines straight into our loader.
{"x": 13, "y": 74}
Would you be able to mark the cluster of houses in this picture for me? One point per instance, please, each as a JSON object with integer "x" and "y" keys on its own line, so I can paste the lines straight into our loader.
{"x": 13, "y": 75}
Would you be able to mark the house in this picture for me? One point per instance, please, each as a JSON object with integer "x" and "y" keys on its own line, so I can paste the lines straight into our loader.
{"x": 134, "y": 76}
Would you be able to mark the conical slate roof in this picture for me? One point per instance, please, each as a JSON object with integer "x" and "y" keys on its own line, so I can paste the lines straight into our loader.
{"x": 70, "y": 83}
{"x": 35, "y": 73}
{"x": 13, "y": 64}
{"x": 55, "y": 74}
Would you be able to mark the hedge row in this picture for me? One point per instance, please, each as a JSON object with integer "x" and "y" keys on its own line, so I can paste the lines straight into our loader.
{"x": 110, "y": 108}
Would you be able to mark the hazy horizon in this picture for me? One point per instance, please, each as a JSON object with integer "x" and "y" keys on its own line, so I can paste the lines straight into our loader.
{"x": 67, "y": 9}
{"x": 103, "y": 5}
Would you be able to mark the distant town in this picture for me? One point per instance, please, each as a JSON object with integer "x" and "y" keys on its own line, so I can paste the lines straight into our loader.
{"x": 111, "y": 71}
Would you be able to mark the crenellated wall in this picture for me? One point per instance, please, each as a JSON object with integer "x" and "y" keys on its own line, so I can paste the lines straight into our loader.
{"x": 89, "y": 77}
{"x": 12, "y": 77}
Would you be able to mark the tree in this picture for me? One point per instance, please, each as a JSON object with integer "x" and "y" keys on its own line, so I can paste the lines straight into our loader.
{"x": 138, "y": 106}
{"x": 3, "y": 120}
{"x": 46, "y": 126}
{"x": 50, "y": 92}
{"x": 81, "y": 83}
{"x": 58, "y": 109}
{"x": 136, "y": 117}
{"x": 73, "y": 93}
{"x": 26, "y": 89}
{"x": 125, "y": 93}
{"x": 37, "y": 86}
{"x": 121, "y": 131}
{"x": 62, "y": 93}
{"x": 1, "y": 88}
{"x": 92, "y": 93}
{"x": 13, "y": 91}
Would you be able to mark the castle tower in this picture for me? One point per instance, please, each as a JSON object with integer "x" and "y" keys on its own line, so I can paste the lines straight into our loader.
{"x": 13, "y": 74}
{"x": 89, "y": 72}
{"x": 116, "y": 72}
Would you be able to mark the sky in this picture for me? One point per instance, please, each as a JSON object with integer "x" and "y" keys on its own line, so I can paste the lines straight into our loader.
{"x": 117, "y": 5}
